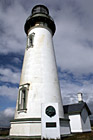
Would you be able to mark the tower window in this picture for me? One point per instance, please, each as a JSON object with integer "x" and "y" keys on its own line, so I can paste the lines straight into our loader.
{"x": 22, "y": 98}
{"x": 30, "y": 42}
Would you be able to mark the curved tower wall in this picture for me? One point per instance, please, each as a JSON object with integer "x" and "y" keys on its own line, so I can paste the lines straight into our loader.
{"x": 40, "y": 71}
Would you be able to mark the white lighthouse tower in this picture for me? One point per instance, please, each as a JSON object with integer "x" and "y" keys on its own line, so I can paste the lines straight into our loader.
{"x": 39, "y": 108}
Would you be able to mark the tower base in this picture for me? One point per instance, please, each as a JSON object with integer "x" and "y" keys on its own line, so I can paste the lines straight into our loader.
{"x": 49, "y": 126}
{"x": 26, "y": 128}
{"x": 30, "y": 128}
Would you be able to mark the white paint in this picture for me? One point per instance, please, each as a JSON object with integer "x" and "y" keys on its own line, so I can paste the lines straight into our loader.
{"x": 40, "y": 72}
{"x": 75, "y": 123}
{"x": 25, "y": 128}
{"x": 50, "y": 132}
{"x": 80, "y": 97}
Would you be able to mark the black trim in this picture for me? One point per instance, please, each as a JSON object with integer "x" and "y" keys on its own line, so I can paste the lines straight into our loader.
{"x": 40, "y": 8}
{"x": 17, "y": 137}
{"x": 50, "y": 124}
{"x": 76, "y": 108}
{"x": 39, "y": 17}
{"x": 26, "y": 119}
{"x": 25, "y": 84}
{"x": 64, "y": 119}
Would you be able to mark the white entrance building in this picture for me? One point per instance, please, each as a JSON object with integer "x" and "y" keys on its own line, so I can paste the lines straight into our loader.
{"x": 78, "y": 114}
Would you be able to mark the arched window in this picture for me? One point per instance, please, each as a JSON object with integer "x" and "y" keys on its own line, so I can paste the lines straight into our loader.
{"x": 30, "y": 41}
{"x": 22, "y": 98}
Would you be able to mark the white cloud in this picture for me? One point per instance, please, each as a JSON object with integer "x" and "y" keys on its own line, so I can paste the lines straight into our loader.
{"x": 16, "y": 60}
{"x": 7, "y": 75}
{"x": 13, "y": 37}
{"x": 75, "y": 57}
{"x": 12, "y": 77}
{"x": 73, "y": 51}
{"x": 9, "y": 92}
{"x": 69, "y": 91}
{"x": 9, "y": 112}
{"x": 6, "y": 115}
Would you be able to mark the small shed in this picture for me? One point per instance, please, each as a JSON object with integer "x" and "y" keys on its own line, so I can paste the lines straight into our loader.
{"x": 79, "y": 117}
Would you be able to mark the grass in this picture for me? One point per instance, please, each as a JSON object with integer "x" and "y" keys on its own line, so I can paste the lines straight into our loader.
{"x": 79, "y": 136}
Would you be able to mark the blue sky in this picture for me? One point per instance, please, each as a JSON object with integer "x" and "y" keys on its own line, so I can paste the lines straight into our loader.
{"x": 73, "y": 43}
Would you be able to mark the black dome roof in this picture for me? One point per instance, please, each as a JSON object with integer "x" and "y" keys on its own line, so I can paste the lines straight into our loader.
{"x": 40, "y": 13}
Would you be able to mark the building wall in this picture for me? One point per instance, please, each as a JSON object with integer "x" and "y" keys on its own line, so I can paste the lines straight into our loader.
{"x": 25, "y": 128}
{"x": 40, "y": 71}
{"x": 65, "y": 127}
{"x": 75, "y": 123}
{"x": 85, "y": 121}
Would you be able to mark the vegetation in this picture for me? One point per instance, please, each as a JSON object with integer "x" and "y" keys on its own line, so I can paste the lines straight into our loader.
{"x": 4, "y": 131}
{"x": 79, "y": 136}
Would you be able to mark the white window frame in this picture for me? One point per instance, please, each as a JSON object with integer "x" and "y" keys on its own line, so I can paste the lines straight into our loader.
{"x": 22, "y": 101}
{"x": 30, "y": 40}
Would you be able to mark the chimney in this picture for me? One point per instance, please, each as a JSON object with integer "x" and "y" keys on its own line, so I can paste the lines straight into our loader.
{"x": 80, "y": 97}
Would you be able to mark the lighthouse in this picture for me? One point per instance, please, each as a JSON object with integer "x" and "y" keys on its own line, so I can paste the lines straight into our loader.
{"x": 39, "y": 110}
